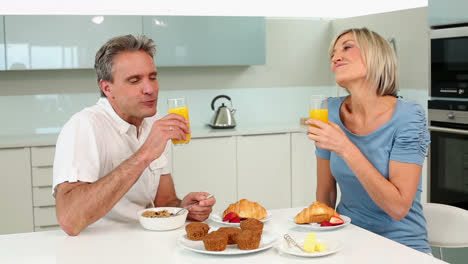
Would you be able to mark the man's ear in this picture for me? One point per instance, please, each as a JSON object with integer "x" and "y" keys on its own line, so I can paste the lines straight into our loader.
{"x": 105, "y": 87}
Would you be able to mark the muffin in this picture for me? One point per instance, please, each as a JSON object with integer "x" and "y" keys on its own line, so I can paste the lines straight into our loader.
{"x": 196, "y": 231}
{"x": 215, "y": 241}
{"x": 232, "y": 233}
{"x": 248, "y": 239}
{"x": 252, "y": 224}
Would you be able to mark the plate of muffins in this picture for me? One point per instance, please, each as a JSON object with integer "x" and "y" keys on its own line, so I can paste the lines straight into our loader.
{"x": 247, "y": 238}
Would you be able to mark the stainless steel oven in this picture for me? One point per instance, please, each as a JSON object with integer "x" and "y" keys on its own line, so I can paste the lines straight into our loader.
{"x": 448, "y": 155}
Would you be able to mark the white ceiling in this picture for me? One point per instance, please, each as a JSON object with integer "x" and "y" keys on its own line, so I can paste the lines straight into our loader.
{"x": 268, "y": 8}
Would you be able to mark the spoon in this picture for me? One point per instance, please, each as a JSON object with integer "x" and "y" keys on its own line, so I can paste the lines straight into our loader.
{"x": 291, "y": 241}
{"x": 208, "y": 197}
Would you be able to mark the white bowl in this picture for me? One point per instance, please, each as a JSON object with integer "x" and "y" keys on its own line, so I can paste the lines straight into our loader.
{"x": 163, "y": 223}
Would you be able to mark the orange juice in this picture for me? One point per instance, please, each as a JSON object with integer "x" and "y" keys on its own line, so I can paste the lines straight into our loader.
{"x": 183, "y": 111}
{"x": 320, "y": 114}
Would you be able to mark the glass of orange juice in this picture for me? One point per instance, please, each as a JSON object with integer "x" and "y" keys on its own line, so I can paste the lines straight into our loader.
{"x": 179, "y": 106}
{"x": 319, "y": 108}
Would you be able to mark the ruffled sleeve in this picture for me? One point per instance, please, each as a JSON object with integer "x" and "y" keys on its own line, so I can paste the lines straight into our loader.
{"x": 412, "y": 137}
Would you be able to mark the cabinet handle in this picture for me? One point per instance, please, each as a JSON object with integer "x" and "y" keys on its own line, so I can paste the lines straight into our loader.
{"x": 44, "y": 186}
{"x": 265, "y": 134}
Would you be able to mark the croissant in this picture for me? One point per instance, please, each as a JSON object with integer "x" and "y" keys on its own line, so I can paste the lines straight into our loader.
{"x": 315, "y": 213}
{"x": 246, "y": 209}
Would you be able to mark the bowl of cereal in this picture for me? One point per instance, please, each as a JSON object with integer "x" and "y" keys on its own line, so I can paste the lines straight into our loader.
{"x": 162, "y": 218}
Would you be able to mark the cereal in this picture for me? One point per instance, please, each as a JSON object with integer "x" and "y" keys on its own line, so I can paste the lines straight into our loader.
{"x": 157, "y": 214}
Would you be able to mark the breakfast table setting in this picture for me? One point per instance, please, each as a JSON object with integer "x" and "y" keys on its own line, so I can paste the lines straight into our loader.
{"x": 134, "y": 242}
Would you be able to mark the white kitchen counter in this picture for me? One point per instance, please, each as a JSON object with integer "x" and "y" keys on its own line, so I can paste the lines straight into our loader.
{"x": 130, "y": 243}
{"x": 48, "y": 139}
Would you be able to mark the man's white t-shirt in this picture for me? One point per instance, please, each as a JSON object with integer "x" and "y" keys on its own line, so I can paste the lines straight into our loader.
{"x": 94, "y": 142}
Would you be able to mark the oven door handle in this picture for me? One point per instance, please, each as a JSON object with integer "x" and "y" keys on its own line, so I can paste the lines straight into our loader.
{"x": 448, "y": 130}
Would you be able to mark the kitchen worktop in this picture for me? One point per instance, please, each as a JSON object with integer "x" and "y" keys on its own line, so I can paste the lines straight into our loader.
{"x": 130, "y": 243}
{"x": 48, "y": 139}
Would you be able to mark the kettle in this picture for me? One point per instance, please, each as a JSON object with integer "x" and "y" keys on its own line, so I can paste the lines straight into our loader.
{"x": 223, "y": 116}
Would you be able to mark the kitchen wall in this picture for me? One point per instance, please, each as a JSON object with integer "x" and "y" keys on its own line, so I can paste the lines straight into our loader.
{"x": 411, "y": 32}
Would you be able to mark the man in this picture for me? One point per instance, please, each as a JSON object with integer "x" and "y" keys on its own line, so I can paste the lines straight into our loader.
{"x": 114, "y": 158}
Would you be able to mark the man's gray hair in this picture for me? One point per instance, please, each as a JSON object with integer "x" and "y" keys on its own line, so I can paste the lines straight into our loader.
{"x": 105, "y": 56}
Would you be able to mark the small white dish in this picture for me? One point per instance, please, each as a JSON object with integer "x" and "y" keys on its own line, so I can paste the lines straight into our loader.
{"x": 218, "y": 218}
{"x": 332, "y": 247}
{"x": 163, "y": 223}
{"x": 317, "y": 227}
{"x": 268, "y": 240}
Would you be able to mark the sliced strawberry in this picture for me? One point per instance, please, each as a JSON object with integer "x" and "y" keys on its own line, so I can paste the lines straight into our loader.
{"x": 325, "y": 223}
{"x": 229, "y": 216}
{"x": 235, "y": 220}
{"x": 336, "y": 220}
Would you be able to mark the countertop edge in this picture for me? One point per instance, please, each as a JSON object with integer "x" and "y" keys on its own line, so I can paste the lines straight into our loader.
{"x": 42, "y": 140}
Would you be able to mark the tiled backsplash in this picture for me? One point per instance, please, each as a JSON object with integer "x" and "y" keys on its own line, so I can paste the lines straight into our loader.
{"x": 47, "y": 113}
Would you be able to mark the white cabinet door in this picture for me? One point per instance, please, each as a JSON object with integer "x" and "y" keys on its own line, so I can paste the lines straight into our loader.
{"x": 208, "y": 165}
{"x": 15, "y": 191}
{"x": 61, "y": 42}
{"x": 303, "y": 170}
{"x": 264, "y": 169}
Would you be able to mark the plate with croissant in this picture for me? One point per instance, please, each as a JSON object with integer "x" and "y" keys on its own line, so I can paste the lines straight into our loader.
{"x": 243, "y": 209}
{"x": 319, "y": 216}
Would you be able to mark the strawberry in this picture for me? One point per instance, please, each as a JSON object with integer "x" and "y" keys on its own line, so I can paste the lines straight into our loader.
{"x": 235, "y": 220}
{"x": 325, "y": 223}
{"x": 229, "y": 216}
{"x": 336, "y": 220}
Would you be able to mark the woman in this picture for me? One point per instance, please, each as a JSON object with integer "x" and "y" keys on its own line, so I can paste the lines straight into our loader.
{"x": 374, "y": 143}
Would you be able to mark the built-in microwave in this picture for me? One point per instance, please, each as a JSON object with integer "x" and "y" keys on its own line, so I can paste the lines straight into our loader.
{"x": 449, "y": 62}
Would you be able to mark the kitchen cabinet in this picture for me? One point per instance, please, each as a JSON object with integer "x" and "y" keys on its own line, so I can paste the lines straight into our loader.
{"x": 442, "y": 12}
{"x": 42, "y": 161}
{"x": 61, "y": 42}
{"x": 209, "y": 165}
{"x": 264, "y": 169}
{"x": 15, "y": 191}
{"x": 2, "y": 44}
{"x": 206, "y": 41}
{"x": 303, "y": 170}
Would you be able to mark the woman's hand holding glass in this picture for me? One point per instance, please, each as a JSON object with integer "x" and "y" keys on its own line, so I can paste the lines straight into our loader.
{"x": 328, "y": 136}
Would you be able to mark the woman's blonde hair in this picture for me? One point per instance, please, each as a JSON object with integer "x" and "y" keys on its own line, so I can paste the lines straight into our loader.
{"x": 379, "y": 58}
